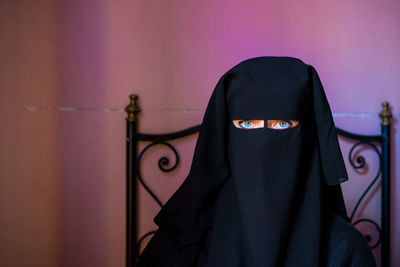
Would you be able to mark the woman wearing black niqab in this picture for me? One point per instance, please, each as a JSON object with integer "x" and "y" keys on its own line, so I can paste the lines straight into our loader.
{"x": 264, "y": 185}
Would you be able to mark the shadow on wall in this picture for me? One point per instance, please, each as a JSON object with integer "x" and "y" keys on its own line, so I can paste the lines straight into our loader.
{"x": 83, "y": 184}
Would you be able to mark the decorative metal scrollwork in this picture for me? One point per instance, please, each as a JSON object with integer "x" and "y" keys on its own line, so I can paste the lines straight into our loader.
{"x": 139, "y": 242}
{"x": 162, "y": 162}
{"x": 358, "y": 163}
{"x": 368, "y": 237}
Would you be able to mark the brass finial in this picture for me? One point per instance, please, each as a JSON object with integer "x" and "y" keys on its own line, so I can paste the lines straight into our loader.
{"x": 385, "y": 114}
{"x": 132, "y": 109}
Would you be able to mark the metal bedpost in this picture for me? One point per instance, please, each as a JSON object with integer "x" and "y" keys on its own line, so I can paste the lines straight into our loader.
{"x": 131, "y": 150}
{"x": 385, "y": 116}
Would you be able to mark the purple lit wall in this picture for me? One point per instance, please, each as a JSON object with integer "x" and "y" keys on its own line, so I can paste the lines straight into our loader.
{"x": 68, "y": 68}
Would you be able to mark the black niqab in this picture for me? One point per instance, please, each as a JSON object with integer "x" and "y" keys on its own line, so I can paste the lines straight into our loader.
{"x": 259, "y": 197}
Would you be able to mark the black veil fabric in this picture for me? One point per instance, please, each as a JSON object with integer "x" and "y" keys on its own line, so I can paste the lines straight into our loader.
{"x": 258, "y": 197}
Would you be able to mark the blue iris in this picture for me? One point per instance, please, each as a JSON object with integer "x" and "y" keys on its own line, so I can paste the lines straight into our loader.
{"x": 247, "y": 123}
{"x": 283, "y": 124}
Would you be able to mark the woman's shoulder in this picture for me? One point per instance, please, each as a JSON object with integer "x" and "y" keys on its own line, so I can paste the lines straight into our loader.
{"x": 347, "y": 245}
{"x": 342, "y": 231}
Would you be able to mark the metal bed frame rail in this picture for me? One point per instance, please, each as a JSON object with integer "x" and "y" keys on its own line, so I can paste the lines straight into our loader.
{"x": 133, "y": 171}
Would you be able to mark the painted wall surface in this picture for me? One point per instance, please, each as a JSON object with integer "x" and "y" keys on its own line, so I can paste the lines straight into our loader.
{"x": 68, "y": 68}
{"x": 29, "y": 157}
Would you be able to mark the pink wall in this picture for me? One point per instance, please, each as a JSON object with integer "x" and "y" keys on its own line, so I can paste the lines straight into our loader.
{"x": 69, "y": 67}
{"x": 29, "y": 158}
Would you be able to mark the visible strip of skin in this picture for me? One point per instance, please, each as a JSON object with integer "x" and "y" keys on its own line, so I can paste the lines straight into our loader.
{"x": 255, "y": 124}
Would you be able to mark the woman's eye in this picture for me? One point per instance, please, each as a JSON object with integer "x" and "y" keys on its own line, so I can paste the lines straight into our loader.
{"x": 284, "y": 124}
{"x": 281, "y": 124}
{"x": 248, "y": 124}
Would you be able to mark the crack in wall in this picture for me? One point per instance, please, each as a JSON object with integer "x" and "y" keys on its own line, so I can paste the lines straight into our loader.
{"x": 104, "y": 109}
{"x": 183, "y": 110}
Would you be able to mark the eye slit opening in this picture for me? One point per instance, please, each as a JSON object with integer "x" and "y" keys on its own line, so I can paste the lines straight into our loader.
{"x": 282, "y": 124}
{"x": 272, "y": 124}
{"x": 248, "y": 124}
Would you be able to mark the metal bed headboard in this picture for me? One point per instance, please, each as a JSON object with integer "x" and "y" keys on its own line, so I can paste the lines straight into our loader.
{"x": 133, "y": 171}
